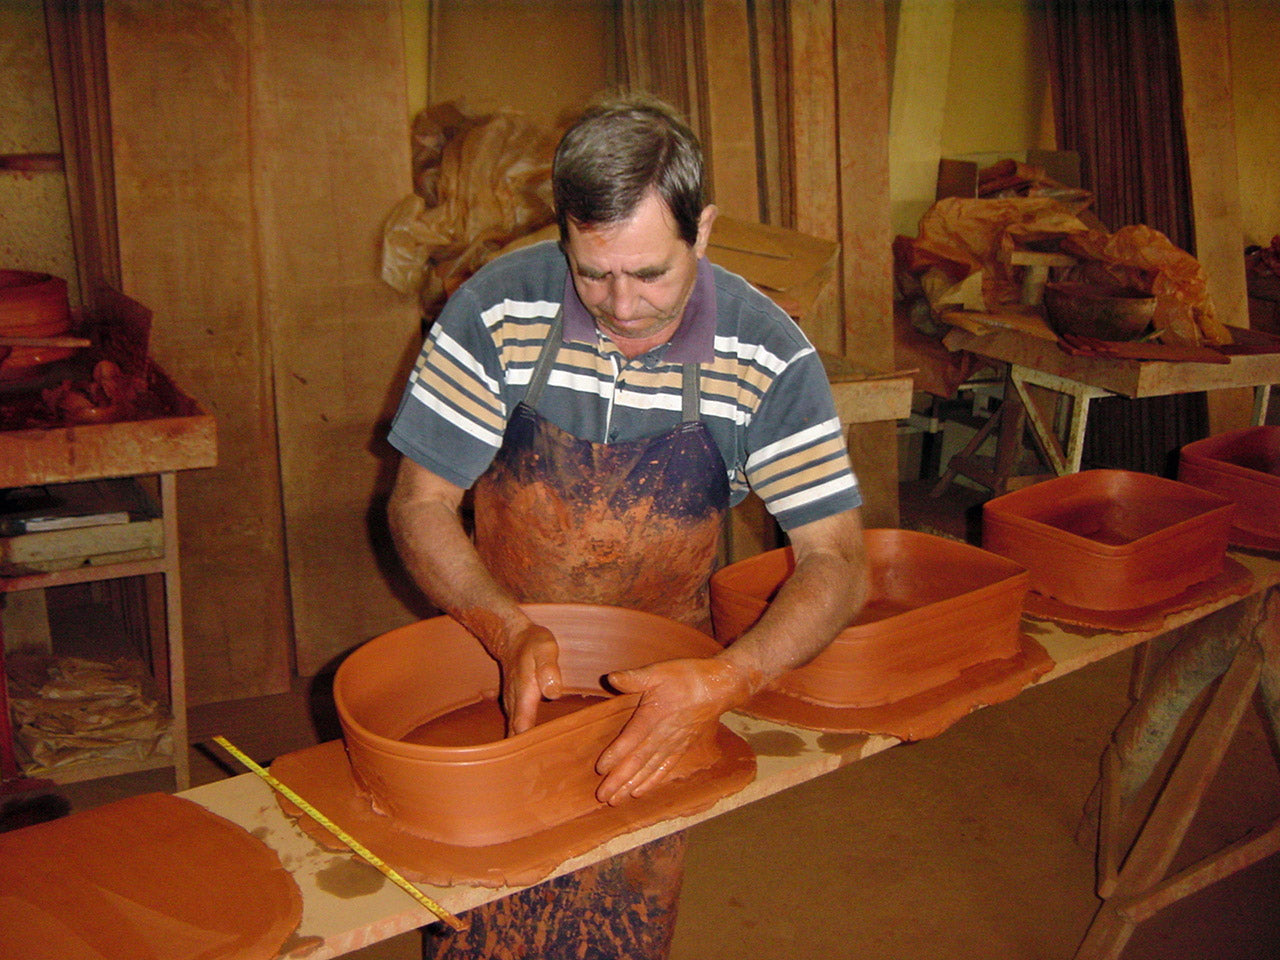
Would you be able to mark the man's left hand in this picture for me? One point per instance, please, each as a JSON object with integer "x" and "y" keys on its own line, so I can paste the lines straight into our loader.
{"x": 679, "y": 700}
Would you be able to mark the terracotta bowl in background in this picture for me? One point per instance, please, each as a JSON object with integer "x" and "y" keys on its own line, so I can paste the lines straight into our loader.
{"x": 1101, "y": 312}
{"x": 1244, "y": 467}
{"x": 32, "y": 305}
{"x": 490, "y": 792}
{"x": 1110, "y": 539}
{"x": 936, "y": 607}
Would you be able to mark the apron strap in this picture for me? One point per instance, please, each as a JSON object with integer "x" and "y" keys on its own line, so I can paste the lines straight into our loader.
{"x": 690, "y": 385}
{"x": 546, "y": 359}
{"x": 689, "y": 412}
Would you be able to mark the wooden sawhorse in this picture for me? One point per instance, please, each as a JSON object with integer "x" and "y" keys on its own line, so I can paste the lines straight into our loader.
{"x": 1238, "y": 648}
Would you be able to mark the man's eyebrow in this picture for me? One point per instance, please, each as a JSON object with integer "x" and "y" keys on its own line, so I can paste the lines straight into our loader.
{"x": 644, "y": 273}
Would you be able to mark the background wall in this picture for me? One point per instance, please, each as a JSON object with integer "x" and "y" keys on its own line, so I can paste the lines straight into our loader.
{"x": 259, "y": 156}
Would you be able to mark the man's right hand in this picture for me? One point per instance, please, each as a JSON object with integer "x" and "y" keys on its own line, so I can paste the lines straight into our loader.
{"x": 530, "y": 672}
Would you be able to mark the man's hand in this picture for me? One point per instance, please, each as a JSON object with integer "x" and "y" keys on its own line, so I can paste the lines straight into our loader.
{"x": 530, "y": 663}
{"x": 679, "y": 701}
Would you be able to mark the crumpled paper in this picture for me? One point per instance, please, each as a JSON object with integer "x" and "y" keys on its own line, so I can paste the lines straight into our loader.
{"x": 479, "y": 182}
{"x": 70, "y": 711}
{"x": 960, "y": 260}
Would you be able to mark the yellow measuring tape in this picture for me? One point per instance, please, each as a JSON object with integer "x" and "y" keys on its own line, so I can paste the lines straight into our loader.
{"x": 356, "y": 846}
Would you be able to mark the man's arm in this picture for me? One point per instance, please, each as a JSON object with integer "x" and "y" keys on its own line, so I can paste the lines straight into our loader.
{"x": 822, "y": 596}
{"x": 435, "y": 549}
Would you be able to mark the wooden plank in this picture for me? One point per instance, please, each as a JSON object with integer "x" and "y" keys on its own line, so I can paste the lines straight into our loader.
{"x": 179, "y": 82}
{"x": 731, "y": 120}
{"x": 1204, "y": 48}
{"x": 866, "y": 236}
{"x": 921, "y": 71}
{"x": 331, "y": 159}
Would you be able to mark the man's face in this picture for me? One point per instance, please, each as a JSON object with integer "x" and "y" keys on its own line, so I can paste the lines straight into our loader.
{"x": 635, "y": 277}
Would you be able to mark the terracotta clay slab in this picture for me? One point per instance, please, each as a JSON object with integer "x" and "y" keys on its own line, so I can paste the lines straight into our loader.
{"x": 936, "y": 607}
{"x": 1244, "y": 466}
{"x": 481, "y": 789}
{"x": 152, "y": 876}
{"x": 922, "y": 715}
{"x": 1110, "y": 539}
{"x": 322, "y": 776}
{"x": 1234, "y": 580}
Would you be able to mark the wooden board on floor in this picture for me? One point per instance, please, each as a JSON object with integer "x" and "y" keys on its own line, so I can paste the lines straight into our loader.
{"x": 1204, "y": 48}
{"x": 332, "y": 136}
{"x": 179, "y": 82}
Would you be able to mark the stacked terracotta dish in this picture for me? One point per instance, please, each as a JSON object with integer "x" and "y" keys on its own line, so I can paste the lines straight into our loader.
{"x": 424, "y": 734}
{"x": 936, "y": 608}
{"x": 32, "y": 305}
{"x": 1111, "y": 540}
{"x": 1244, "y": 466}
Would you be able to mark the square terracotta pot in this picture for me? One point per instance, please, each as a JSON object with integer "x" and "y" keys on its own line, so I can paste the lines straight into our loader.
{"x": 1110, "y": 539}
{"x": 1244, "y": 467}
{"x": 936, "y": 607}
{"x": 483, "y": 793}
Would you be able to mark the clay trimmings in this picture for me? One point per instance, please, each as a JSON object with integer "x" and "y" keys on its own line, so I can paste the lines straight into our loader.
{"x": 494, "y": 790}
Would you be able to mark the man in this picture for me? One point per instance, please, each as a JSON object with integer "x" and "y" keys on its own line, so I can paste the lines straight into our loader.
{"x": 607, "y": 400}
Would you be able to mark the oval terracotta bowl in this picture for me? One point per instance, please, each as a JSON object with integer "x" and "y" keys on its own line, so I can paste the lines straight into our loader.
{"x": 483, "y": 793}
{"x": 936, "y": 607}
{"x": 1111, "y": 539}
{"x": 1244, "y": 466}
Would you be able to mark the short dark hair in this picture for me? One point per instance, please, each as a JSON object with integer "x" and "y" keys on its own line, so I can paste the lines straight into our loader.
{"x": 614, "y": 152}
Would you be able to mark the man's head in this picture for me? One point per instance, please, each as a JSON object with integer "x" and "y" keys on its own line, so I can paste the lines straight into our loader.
{"x": 615, "y": 153}
{"x": 628, "y": 185}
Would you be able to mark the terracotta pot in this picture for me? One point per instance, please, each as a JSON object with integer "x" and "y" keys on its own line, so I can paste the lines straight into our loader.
{"x": 936, "y": 607}
{"x": 32, "y": 305}
{"x": 491, "y": 792}
{"x": 1110, "y": 539}
{"x": 1102, "y": 312}
{"x": 1244, "y": 467}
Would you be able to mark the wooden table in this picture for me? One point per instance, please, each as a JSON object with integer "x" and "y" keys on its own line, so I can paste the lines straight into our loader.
{"x": 1035, "y": 360}
{"x": 340, "y": 924}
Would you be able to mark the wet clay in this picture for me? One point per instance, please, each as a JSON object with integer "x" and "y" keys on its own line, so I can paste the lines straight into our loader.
{"x": 323, "y": 776}
{"x": 483, "y": 722}
{"x": 936, "y": 607}
{"x": 1110, "y": 540}
{"x": 151, "y": 876}
{"x": 1234, "y": 580}
{"x": 424, "y": 735}
{"x": 921, "y": 715}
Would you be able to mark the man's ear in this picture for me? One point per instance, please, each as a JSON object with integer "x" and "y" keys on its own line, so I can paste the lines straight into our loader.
{"x": 705, "y": 221}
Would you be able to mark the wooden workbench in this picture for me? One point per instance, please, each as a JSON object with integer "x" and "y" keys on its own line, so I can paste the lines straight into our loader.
{"x": 347, "y": 905}
{"x": 1035, "y": 359}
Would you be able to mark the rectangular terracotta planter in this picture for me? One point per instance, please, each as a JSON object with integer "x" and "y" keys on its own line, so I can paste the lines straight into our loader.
{"x": 1244, "y": 467}
{"x": 1111, "y": 539}
{"x": 936, "y": 607}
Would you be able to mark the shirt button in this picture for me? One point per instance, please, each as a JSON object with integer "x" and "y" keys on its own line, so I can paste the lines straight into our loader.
{"x": 613, "y": 436}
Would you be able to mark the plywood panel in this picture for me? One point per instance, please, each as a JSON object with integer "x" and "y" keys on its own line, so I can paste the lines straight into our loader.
{"x": 1208, "y": 115}
{"x": 731, "y": 113}
{"x": 331, "y": 159}
{"x": 179, "y": 80}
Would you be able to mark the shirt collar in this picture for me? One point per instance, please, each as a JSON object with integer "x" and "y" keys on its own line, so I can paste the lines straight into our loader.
{"x": 694, "y": 339}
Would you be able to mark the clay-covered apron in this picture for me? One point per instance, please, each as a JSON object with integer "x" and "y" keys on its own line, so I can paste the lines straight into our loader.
{"x": 636, "y": 524}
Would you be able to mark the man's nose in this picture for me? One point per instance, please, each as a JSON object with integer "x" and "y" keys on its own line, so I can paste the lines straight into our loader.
{"x": 623, "y": 297}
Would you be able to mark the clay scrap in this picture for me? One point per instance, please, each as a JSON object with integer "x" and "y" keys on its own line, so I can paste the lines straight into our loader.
{"x": 152, "y": 876}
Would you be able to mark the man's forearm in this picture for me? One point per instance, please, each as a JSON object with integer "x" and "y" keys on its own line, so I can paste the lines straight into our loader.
{"x": 824, "y": 593}
{"x": 443, "y": 562}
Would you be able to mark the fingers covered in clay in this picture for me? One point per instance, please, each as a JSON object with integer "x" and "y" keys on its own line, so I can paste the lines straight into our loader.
{"x": 530, "y": 673}
{"x": 680, "y": 704}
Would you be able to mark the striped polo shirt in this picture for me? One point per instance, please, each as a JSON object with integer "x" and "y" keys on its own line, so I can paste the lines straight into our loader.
{"x": 764, "y": 395}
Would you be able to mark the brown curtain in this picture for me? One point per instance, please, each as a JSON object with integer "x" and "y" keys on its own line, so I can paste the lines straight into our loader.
{"x": 1117, "y": 95}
